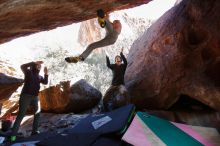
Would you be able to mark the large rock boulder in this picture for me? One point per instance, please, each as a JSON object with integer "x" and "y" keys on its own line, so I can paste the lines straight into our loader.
{"x": 178, "y": 55}
{"x": 64, "y": 98}
{"x": 23, "y": 17}
{"x": 115, "y": 97}
{"x": 8, "y": 83}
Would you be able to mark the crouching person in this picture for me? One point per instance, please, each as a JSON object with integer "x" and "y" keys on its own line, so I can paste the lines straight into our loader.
{"x": 117, "y": 95}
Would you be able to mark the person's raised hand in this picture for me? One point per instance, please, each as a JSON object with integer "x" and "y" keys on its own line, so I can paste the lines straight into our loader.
{"x": 106, "y": 53}
{"x": 39, "y": 62}
{"x": 45, "y": 71}
{"x": 122, "y": 49}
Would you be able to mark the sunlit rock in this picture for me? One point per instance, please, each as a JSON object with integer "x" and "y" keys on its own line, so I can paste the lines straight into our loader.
{"x": 178, "y": 54}
{"x": 23, "y": 17}
{"x": 64, "y": 98}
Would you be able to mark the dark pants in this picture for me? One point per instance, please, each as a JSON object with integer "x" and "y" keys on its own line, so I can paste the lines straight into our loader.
{"x": 24, "y": 102}
{"x": 115, "y": 97}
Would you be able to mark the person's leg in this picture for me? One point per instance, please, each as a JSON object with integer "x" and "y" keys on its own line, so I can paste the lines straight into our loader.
{"x": 108, "y": 100}
{"x": 24, "y": 101}
{"x": 122, "y": 89}
{"x": 109, "y": 39}
{"x": 124, "y": 92}
{"x": 35, "y": 103}
{"x": 102, "y": 43}
{"x": 108, "y": 27}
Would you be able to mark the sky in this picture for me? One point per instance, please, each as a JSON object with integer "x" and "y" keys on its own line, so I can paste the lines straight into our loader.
{"x": 152, "y": 10}
{"x": 64, "y": 36}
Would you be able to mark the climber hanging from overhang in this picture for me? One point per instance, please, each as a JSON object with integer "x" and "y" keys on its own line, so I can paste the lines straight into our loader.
{"x": 113, "y": 29}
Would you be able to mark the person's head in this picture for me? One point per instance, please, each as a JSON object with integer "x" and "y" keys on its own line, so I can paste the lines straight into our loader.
{"x": 36, "y": 68}
{"x": 118, "y": 60}
{"x": 117, "y": 25}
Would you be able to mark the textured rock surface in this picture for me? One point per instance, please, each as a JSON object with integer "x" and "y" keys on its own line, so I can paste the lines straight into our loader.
{"x": 114, "y": 98}
{"x": 179, "y": 54}
{"x": 65, "y": 98}
{"x": 89, "y": 32}
{"x": 8, "y": 83}
{"x": 23, "y": 17}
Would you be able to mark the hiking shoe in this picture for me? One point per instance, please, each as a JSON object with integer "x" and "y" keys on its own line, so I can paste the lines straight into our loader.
{"x": 13, "y": 138}
{"x": 35, "y": 132}
{"x": 101, "y": 22}
{"x": 74, "y": 59}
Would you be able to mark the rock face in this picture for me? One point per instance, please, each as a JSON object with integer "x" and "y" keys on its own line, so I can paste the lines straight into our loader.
{"x": 64, "y": 98}
{"x": 115, "y": 97}
{"x": 196, "y": 118}
{"x": 8, "y": 84}
{"x": 23, "y": 17}
{"x": 178, "y": 55}
{"x": 91, "y": 30}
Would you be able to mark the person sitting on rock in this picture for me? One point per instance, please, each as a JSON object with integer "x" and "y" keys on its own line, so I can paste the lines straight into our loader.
{"x": 112, "y": 32}
{"x": 117, "y": 94}
{"x": 29, "y": 95}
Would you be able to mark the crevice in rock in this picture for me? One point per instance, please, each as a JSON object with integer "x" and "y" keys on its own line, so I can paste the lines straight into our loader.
{"x": 187, "y": 103}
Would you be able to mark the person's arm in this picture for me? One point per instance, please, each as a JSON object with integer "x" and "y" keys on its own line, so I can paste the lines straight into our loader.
{"x": 123, "y": 58}
{"x": 24, "y": 67}
{"x": 45, "y": 79}
{"x": 108, "y": 62}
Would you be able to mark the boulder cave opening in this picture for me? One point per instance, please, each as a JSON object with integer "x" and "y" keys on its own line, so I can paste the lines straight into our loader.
{"x": 187, "y": 103}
